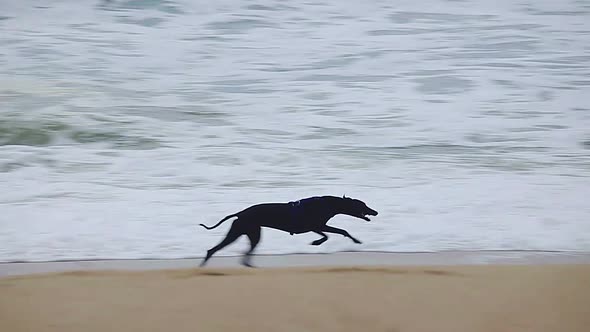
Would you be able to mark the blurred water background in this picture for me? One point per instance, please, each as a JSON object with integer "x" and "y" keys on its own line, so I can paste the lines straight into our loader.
{"x": 125, "y": 123}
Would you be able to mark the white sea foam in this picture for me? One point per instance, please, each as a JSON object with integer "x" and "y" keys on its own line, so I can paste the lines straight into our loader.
{"x": 125, "y": 124}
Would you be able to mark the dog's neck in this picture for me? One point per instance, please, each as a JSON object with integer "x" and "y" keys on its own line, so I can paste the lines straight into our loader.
{"x": 328, "y": 205}
{"x": 338, "y": 205}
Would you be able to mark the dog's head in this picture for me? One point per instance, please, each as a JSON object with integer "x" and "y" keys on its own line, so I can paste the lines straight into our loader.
{"x": 357, "y": 208}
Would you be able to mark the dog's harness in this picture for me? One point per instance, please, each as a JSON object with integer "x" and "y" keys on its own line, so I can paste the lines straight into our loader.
{"x": 302, "y": 202}
{"x": 298, "y": 208}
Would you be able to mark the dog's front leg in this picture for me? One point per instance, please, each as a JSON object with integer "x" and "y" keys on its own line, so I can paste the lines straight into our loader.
{"x": 320, "y": 240}
{"x": 340, "y": 231}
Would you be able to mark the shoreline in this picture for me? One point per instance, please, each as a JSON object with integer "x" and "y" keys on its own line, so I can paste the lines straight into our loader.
{"x": 357, "y": 258}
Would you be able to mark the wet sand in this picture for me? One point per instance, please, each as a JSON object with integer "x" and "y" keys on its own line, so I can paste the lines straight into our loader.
{"x": 511, "y": 294}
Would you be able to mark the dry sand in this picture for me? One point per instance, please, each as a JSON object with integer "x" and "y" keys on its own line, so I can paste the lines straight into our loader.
{"x": 548, "y": 297}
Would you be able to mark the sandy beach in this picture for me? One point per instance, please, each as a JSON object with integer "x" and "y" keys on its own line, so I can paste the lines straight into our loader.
{"x": 548, "y": 296}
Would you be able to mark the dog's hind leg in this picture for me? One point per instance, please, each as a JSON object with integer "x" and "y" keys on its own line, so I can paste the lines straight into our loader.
{"x": 234, "y": 232}
{"x": 254, "y": 235}
{"x": 340, "y": 231}
{"x": 320, "y": 240}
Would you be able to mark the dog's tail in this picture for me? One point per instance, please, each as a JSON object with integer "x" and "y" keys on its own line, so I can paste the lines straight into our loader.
{"x": 220, "y": 222}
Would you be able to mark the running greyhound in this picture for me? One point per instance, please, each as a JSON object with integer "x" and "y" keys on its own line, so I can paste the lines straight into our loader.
{"x": 302, "y": 216}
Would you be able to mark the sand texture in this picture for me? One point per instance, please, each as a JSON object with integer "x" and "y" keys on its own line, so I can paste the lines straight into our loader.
{"x": 414, "y": 298}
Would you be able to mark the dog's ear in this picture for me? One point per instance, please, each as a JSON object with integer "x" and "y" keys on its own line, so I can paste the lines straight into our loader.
{"x": 344, "y": 196}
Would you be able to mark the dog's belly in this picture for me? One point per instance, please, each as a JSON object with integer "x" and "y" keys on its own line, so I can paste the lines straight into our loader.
{"x": 298, "y": 229}
{"x": 283, "y": 225}
{"x": 288, "y": 225}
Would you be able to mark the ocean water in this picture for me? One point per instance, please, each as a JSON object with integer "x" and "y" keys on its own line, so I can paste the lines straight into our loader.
{"x": 125, "y": 124}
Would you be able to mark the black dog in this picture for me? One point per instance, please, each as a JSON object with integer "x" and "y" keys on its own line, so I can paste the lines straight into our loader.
{"x": 306, "y": 215}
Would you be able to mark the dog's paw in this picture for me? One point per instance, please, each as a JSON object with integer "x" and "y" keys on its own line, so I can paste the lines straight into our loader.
{"x": 317, "y": 242}
{"x": 356, "y": 241}
{"x": 247, "y": 263}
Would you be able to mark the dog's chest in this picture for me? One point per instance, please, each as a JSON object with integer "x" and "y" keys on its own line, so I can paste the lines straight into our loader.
{"x": 305, "y": 213}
